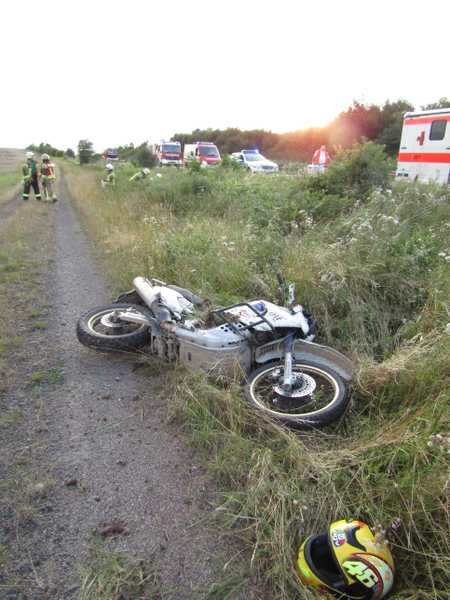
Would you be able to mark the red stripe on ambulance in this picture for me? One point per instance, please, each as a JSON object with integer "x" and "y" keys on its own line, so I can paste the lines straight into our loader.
{"x": 425, "y": 120}
{"x": 424, "y": 157}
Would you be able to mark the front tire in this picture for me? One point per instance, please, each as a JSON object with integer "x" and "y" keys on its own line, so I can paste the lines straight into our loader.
{"x": 322, "y": 395}
{"x": 98, "y": 329}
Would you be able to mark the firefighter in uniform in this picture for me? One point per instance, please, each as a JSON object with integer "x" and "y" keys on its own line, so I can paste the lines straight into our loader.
{"x": 110, "y": 178}
{"x": 48, "y": 178}
{"x": 30, "y": 173}
{"x": 142, "y": 174}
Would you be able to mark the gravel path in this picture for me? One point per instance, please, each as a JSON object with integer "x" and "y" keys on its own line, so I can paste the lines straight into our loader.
{"x": 110, "y": 451}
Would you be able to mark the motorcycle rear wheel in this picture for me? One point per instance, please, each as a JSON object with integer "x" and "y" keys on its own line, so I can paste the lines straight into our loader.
{"x": 325, "y": 403}
{"x": 95, "y": 329}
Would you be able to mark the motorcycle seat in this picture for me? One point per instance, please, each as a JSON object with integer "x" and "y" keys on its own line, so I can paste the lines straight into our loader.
{"x": 193, "y": 298}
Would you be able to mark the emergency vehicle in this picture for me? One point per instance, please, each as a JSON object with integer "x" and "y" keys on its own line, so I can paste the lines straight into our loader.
{"x": 167, "y": 153}
{"x": 255, "y": 162}
{"x": 425, "y": 146}
{"x": 206, "y": 153}
{"x": 111, "y": 154}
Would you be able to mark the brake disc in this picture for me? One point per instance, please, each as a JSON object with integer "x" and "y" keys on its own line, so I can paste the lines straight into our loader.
{"x": 304, "y": 385}
{"x": 109, "y": 322}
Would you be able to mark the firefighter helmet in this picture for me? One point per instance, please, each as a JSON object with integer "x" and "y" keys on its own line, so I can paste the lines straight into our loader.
{"x": 347, "y": 559}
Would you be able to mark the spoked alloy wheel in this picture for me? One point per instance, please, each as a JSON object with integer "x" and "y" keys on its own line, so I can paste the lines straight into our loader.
{"x": 102, "y": 329}
{"x": 317, "y": 397}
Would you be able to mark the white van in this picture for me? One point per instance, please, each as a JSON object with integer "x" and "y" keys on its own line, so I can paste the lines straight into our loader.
{"x": 425, "y": 146}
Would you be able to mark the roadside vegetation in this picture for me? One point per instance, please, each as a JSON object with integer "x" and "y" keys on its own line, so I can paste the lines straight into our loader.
{"x": 371, "y": 261}
{"x": 26, "y": 241}
{"x": 8, "y": 184}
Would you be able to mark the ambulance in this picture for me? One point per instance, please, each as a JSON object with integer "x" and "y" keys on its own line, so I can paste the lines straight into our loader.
{"x": 425, "y": 147}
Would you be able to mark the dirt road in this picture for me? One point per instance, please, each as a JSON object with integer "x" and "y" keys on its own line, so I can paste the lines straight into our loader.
{"x": 106, "y": 464}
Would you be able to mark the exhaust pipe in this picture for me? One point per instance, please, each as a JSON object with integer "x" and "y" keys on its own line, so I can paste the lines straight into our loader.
{"x": 150, "y": 296}
{"x": 145, "y": 290}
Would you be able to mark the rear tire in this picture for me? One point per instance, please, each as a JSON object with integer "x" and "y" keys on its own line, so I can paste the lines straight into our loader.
{"x": 130, "y": 336}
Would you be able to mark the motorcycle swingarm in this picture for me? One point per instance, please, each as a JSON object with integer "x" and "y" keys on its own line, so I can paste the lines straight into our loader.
{"x": 139, "y": 318}
{"x": 303, "y": 350}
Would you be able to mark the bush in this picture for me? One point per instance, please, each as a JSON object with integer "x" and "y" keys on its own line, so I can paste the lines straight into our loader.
{"x": 354, "y": 172}
{"x": 85, "y": 152}
{"x": 229, "y": 163}
{"x": 144, "y": 157}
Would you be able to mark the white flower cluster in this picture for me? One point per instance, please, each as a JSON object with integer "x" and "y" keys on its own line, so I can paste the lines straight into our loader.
{"x": 445, "y": 255}
{"x": 363, "y": 226}
{"x": 439, "y": 441}
{"x": 389, "y": 219}
{"x": 304, "y": 219}
{"x": 150, "y": 220}
{"x": 227, "y": 244}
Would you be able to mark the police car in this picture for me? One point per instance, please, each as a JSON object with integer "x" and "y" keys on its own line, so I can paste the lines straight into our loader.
{"x": 255, "y": 162}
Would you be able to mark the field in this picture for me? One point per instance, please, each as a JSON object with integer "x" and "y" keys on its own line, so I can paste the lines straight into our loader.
{"x": 10, "y": 160}
{"x": 371, "y": 261}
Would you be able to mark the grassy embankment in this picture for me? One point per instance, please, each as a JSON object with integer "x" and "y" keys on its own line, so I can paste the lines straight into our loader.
{"x": 26, "y": 245}
{"x": 10, "y": 176}
{"x": 8, "y": 186}
{"x": 373, "y": 265}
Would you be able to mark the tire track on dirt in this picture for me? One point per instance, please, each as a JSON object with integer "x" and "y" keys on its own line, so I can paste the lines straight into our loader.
{"x": 108, "y": 436}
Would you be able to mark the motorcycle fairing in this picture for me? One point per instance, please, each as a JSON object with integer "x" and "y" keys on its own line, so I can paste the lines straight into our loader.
{"x": 276, "y": 316}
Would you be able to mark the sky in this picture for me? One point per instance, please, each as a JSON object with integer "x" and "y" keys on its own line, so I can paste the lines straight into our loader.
{"x": 121, "y": 71}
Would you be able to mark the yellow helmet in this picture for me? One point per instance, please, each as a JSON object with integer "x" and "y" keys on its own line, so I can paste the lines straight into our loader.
{"x": 348, "y": 559}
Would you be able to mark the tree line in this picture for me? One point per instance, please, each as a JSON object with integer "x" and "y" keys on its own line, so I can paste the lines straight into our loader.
{"x": 381, "y": 124}
{"x": 44, "y": 148}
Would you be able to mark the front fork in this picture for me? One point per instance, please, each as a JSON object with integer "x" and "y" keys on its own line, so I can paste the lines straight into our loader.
{"x": 288, "y": 378}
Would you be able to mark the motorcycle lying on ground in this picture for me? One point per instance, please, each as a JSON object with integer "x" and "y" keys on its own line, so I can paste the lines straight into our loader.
{"x": 288, "y": 377}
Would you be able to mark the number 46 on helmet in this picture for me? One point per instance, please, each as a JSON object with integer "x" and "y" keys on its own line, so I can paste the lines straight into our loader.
{"x": 347, "y": 559}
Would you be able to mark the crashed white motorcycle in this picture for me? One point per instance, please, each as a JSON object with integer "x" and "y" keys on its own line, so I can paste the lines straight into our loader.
{"x": 288, "y": 377}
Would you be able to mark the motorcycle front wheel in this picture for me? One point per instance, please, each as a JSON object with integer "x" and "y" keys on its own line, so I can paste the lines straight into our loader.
{"x": 100, "y": 329}
{"x": 319, "y": 395}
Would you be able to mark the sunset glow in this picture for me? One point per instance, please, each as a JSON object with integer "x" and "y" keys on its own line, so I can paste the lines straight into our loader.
{"x": 134, "y": 71}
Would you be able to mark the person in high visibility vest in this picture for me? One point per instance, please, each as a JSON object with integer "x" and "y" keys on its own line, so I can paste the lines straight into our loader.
{"x": 110, "y": 178}
{"x": 30, "y": 177}
{"x": 48, "y": 178}
{"x": 142, "y": 174}
{"x": 321, "y": 158}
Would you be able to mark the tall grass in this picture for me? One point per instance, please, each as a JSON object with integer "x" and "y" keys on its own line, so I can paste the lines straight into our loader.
{"x": 9, "y": 184}
{"x": 373, "y": 265}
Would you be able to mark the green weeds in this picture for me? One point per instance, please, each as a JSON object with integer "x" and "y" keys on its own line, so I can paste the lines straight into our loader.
{"x": 51, "y": 376}
{"x": 11, "y": 417}
{"x": 8, "y": 183}
{"x": 111, "y": 575}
